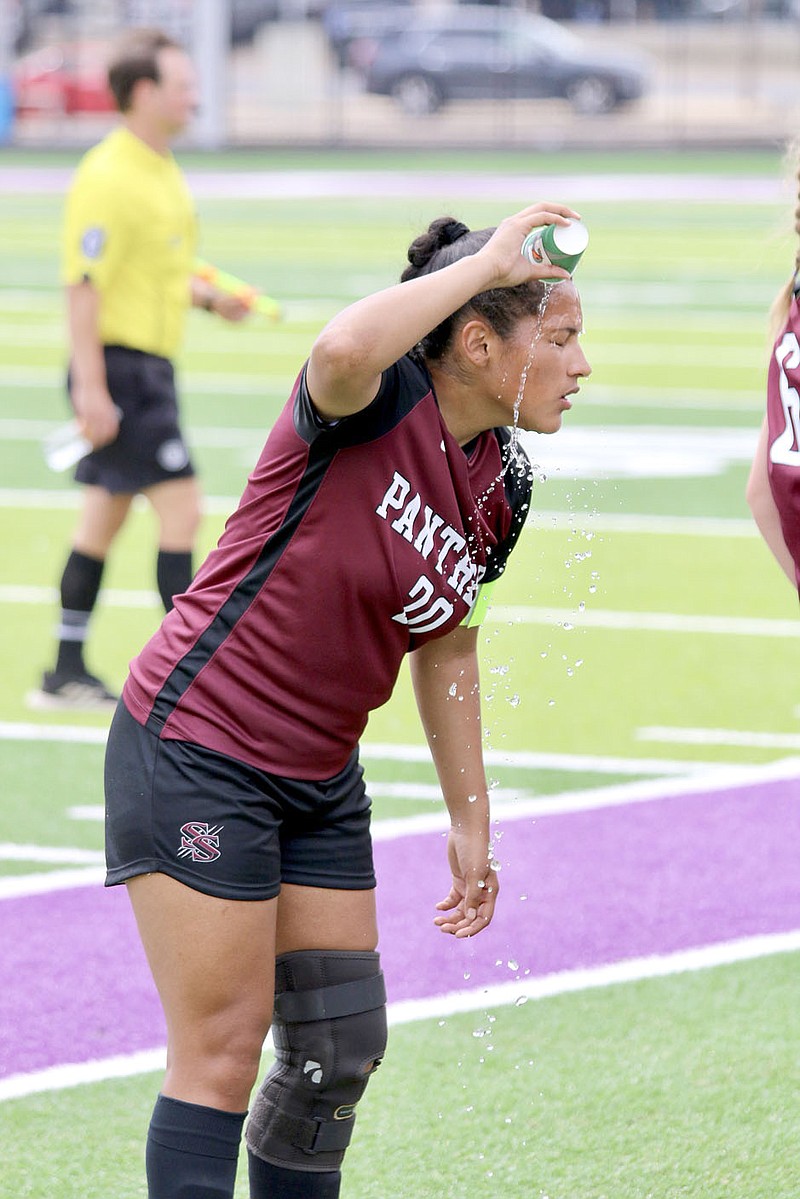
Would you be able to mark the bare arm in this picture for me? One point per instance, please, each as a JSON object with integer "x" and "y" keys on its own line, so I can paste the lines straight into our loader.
{"x": 93, "y": 405}
{"x": 445, "y": 677}
{"x": 762, "y": 505}
{"x": 222, "y": 303}
{"x": 352, "y": 351}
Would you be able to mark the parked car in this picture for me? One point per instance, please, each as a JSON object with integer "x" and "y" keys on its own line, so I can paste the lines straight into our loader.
{"x": 348, "y": 21}
{"x": 470, "y": 52}
{"x": 62, "y": 79}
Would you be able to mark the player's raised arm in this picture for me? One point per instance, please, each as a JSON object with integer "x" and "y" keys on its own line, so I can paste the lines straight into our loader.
{"x": 353, "y": 349}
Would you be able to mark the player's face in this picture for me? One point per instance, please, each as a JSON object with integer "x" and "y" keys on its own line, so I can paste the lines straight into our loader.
{"x": 175, "y": 94}
{"x": 547, "y": 353}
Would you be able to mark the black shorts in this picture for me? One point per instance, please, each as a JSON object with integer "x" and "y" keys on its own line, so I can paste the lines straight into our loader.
{"x": 226, "y": 828}
{"x": 150, "y": 447}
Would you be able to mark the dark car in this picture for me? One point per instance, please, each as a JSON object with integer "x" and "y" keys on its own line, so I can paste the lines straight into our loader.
{"x": 493, "y": 53}
{"x": 349, "y": 21}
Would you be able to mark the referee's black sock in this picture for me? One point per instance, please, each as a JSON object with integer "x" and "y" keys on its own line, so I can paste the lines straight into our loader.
{"x": 192, "y": 1151}
{"x": 274, "y": 1182}
{"x": 173, "y": 574}
{"x": 80, "y": 586}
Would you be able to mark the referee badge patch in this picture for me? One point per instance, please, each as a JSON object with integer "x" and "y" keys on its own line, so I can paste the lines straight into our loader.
{"x": 172, "y": 455}
{"x": 93, "y": 241}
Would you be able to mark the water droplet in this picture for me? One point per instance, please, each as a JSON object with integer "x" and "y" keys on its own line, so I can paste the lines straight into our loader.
{"x": 472, "y": 799}
{"x": 514, "y": 701}
{"x": 512, "y": 965}
{"x": 519, "y": 1002}
{"x": 453, "y": 689}
{"x": 551, "y": 703}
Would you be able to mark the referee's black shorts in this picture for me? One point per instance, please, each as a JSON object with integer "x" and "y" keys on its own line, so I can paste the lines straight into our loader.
{"x": 150, "y": 447}
{"x": 226, "y": 828}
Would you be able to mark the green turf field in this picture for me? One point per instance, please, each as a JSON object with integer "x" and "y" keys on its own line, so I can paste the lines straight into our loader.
{"x": 642, "y": 627}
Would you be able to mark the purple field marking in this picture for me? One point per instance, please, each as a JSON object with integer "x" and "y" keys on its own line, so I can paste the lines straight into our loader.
{"x": 712, "y": 188}
{"x": 600, "y": 886}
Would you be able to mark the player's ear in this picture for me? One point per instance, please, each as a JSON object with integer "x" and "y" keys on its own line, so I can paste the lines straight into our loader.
{"x": 476, "y": 341}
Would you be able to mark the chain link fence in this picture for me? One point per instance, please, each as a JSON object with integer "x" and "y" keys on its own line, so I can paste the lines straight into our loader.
{"x": 300, "y": 72}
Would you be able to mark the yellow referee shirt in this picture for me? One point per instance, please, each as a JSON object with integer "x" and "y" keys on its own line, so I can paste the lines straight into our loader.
{"x": 130, "y": 229}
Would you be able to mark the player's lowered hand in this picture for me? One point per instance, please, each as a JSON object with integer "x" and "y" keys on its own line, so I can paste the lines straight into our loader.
{"x": 469, "y": 905}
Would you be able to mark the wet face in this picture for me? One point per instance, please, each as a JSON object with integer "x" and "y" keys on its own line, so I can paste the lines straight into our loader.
{"x": 546, "y": 351}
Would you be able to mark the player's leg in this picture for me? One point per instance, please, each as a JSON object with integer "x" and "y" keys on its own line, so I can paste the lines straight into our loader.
{"x": 178, "y": 509}
{"x": 329, "y": 1031}
{"x": 329, "y": 1024}
{"x": 70, "y": 684}
{"x": 213, "y": 964}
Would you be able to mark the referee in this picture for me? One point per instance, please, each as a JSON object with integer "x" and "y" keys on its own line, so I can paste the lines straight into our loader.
{"x": 129, "y": 246}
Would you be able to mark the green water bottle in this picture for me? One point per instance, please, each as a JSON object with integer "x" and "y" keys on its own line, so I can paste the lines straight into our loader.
{"x": 557, "y": 245}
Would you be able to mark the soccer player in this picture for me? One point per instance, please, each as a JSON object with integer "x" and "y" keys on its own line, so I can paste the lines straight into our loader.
{"x": 773, "y": 488}
{"x": 386, "y": 502}
{"x": 129, "y": 245}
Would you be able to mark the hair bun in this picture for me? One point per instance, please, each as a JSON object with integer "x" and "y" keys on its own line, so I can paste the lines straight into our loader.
{"x": 451, "y": 230}
{"x": 423, "y": 250}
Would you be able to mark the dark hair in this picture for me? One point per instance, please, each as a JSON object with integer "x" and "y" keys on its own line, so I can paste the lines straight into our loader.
{"x": 135, "y": 58}
{"x": 444, "y": 242}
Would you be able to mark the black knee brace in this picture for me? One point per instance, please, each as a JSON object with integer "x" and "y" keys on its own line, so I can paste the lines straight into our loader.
{"x": 329, "y": 1031}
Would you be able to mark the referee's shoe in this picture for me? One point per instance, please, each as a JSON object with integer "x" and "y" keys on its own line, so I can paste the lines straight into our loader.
{"x": 61, "y": 692}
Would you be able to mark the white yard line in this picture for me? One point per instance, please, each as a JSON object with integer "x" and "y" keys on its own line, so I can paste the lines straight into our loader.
{"x": 74, "y": 733}
{"x": 20, "y": 886}
{"x": 68, "y": 499}
{"x": 209, "y": 436}
{"x": 698, "y": 779}
{"x": 12, "y": 852}
{"x": 566, "y": 618}
{"x": 484, "y": 999}
{"x": 383, "y": 751}
{"x": 650, "y": 622}
{"x": 735, "y": 737}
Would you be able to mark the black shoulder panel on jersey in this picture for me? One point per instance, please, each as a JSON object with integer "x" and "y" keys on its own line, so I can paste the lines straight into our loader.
{"x": 518, "y": 483}
{"x": 320, "y": 457}
{"x": 402, "y": 387}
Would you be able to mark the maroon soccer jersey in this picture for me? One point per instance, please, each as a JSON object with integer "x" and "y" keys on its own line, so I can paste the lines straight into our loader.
{"x": 783, "y": 420}
{"x": 354, "y": 543}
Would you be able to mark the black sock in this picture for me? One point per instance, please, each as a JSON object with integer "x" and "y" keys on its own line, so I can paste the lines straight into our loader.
{"x": 192, "y": 1151}
{"x": 173, "y": 574}
{"x": 80, "y": 586}
{"x": 275, "y": 1182}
